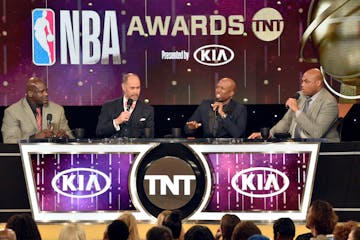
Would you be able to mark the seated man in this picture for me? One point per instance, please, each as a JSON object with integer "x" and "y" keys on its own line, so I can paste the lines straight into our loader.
{"x": 126, "y": 116}
{"x": 34, "y": 116}
{"x": 313, "y": 115}
{"x": 222, "y": 117}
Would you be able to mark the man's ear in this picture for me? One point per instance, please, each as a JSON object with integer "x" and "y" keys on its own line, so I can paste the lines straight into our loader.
{"x": 29, "y": 94}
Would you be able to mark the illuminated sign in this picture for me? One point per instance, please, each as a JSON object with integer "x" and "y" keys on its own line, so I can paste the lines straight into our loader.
{"x": 204, "y": 181}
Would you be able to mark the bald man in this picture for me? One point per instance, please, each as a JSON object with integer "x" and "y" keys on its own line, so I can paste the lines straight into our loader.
{"x": 317, "y": 119}
{"x": 126, "y": 116}
{"x": 222, "y": 117}
{"x": 27, "y": 118}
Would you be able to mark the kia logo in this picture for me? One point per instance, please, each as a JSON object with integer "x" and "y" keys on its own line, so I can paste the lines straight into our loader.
{"x": 214, "y": 55}
{"x": 85, "y": 182}
{"x": 260, "y": 182}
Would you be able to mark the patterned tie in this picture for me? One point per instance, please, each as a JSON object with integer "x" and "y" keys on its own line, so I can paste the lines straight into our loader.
{"x": 298, "y": 129}
{"x": 38, "y": 119}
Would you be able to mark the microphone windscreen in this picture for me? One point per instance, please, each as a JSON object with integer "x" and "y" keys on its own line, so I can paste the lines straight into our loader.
{"x": 49, "y": 117}
{"x": 296, "y": 96}
{"x": 128, "y": 104}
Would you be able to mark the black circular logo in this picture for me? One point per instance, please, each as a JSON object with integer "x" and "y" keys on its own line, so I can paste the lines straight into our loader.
{"x": 170, "y": 177}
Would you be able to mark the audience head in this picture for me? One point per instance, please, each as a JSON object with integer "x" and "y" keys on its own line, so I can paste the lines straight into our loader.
{"x": 37, "y": 91}
{"x": 354, "y": 234}
{"x": 161, "y": 216}
{"x": 321, "y": 218}
{"x": 225, "y": 90}
{"x": 24, "y": 227}
{"x": 130, "y": 221}
{"x": 7, "y": 234}
{"x": 312, "y": 82}
{"x": 131, "y": 86}
{"x": 341, "y": 231}
{"x": 244, "y": 229}
{"x": 159, "y": 233}
{"x": 117, "y": 230}
{"x": 227, "y": 224}
{"x": 198, "y": 232}
{"x": 173, "y": 222}
{"x": 72, "y": 231}
{"x": 284, "y": 229}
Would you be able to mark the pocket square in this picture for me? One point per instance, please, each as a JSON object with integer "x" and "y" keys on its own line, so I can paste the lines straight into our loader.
{"x": 142, "y": 119}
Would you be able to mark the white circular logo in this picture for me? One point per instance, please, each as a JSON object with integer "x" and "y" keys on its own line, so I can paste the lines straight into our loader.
{"x": 267, "y": 24}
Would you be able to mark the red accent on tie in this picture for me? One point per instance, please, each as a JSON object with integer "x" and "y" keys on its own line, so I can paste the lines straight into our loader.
{"x": 38, "y": 118}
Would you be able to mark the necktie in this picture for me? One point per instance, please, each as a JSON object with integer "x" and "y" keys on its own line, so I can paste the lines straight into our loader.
{"x": 38, "y": 119}
{"x": 298, "y": 129}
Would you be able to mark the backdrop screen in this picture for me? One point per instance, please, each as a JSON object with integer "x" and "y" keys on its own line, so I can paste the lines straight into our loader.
{"x": 180, "y": 49}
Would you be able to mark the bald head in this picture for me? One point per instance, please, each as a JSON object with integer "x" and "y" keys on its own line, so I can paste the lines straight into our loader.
{"x": 225, "y": 90}
{"x": 36, "y": 91}
{"x": 312, "y": 82}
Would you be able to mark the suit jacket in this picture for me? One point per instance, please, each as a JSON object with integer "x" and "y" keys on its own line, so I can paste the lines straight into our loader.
{"x": 232, "y": 126}
{"x": 142, "y": 117}
{"x": 317, "y": 122}
{"x": 19, "y": 120}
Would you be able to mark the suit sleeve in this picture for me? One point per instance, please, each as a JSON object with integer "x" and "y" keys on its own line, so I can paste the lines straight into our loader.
{"x": 317, "y": 126}
{"x": 105, "y": 127}
{"x": 235, "y": 123}
{"x": 283, "y": 126}
{"x": 196, "y": 116}
{"x": 150, "y": 121}
{"x": 63, "y": 124}
{"x": 10, "y": 128}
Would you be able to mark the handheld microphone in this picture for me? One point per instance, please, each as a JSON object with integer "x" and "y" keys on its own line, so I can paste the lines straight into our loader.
{"x": 128, "y": 104}
{"x": 48, "y": 120}
{"x": 296, "y": 96}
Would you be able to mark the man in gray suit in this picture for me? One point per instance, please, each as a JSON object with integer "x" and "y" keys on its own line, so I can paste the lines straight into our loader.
{"x": 34, "y": 116}
{"x": 313, "y": 115}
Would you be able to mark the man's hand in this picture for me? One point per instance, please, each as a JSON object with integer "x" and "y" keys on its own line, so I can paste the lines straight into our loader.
{"x": 46, "y": 133}
{"x": 123, "y": 117}
{"x": 193, "y": 125}
{"x": 218, "y": 106}
{"x": 61, "y": 134}
{"x": 292, "y": 104}
{"x": 255, "y": 135}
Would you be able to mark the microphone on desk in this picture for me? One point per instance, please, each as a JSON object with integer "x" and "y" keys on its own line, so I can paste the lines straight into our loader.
{"x": 128, "y": 104}
{"x": 48, "y": 120}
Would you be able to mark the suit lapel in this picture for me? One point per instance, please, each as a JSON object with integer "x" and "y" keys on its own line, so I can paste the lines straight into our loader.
{"x": 29, "y": 112}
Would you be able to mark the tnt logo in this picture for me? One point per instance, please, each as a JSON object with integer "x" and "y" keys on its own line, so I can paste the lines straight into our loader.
{"x": 81, "y": 183}
{"x": 260, "y": 182}
{"x": 267, "y": 24}
{"x": 172, "y": 184}
{"x": 43, "y": 36}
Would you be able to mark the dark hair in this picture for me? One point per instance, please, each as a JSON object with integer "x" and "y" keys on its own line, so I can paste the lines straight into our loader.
{"x": 245, "y": 229}
{"x": 24, "y": 227}
{"x": 228, "y": 222}
{"x": 198, "y": 232}
{"x": 159, "y": 233}
{"x": 322, "y": 217}
{"x": 285, "y": 228}
{"x": 118, "y": 230}
{"x": 173, "y": 222}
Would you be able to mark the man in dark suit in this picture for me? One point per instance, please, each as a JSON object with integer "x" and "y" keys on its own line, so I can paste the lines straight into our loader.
{"x": 126, "y": 116}
{"x": 222, "y": 117}
{"x": 30, "y": 117}
{"x": 313, "y": 115}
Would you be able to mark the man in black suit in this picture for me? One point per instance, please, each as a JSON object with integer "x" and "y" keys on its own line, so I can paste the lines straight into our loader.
{"x": 222, "y": 117}
{"x": 126, "y": 116}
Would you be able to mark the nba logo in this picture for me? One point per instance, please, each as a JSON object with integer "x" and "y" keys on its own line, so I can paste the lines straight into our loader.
{"x": 43, "y": 36}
